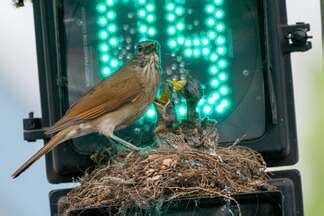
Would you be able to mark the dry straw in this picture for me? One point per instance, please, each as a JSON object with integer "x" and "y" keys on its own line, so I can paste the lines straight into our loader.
{"x": 133, "y": 179}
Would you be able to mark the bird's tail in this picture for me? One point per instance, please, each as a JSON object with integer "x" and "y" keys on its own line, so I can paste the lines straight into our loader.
{"x": 56, "y": 140}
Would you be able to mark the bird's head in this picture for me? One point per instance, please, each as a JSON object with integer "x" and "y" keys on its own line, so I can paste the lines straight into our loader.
{"x": 148, "y": 50}
{"x": 177, "y": 85}
{"x": 188, "y": 88}
{"x": 165, "y": 106}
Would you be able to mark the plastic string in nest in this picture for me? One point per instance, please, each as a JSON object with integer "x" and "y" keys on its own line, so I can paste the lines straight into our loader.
{"x": 143, "y": 181}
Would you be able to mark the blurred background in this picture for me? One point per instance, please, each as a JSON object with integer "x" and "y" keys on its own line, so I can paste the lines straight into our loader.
{"x": 19, "y": 94}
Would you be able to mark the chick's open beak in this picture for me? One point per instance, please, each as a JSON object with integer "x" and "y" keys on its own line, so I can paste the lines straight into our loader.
{"x": 164, "y": 99}
{"x": 177, "y": 85}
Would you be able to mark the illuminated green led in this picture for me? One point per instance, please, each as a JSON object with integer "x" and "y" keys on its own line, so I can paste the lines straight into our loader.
{"x": 219, "y": 2}
{"x": 170, "y": 6}
{"x": 105, "y": 71}
{"x": 209, "y": 8}
{"x": 103, "y": 35}
{"x": 220, "y": 109}
{"x": 223, "y": 106}
{"x": 103, "y": 47}
{"x": 205, "y": 41}
{"x": 113, "y": 41}
{"x": 102, "y": 21}
{"x": 110, "y": 2}
{"x": 112, "y": 28}
{"x": 223, "y": 76}
{"x": 182, "y": 110}
{"x": 171, "y": 30}
{"x": 201, "y": 101}
{"x": 142, "y": 1}
{"x": 221, "y": 40}
{"x": 180, "y": 40}
{"x": 171, "y": 17}
{"x": 179, "y": 10}
{"x": 214, "y": 83}
{"x": 104, "y": 58}
{"x": 152, "y": 31}
{"x": 207, "y": 109}
{"x": 220, "y": 27}
{"x": 213, "y": 57}
{"x": 196, "y": 42}
{"x": 223, "y": 63}
{"x": 211, "y": 100}
{"x": 151, "y": 113}
{"x": 219, "y": 14}
{"x": 150, "y": 7}
{"x": 196, "y": 52}
{"x": 143, "y": 28}
{"x": 216, "y": 96}
{"x": 205, "y": 51}
{"x": 210, "y": 21}
{"x": 188, "y": 42}
{"x": 188, "y": 52}
{"x": 224, "y": 90}
{"x": 114, "y": 63}
{"x": 111, "y": 15}
{"x": 211, "y": 35}
{"x": 101, "y": 8}
{"x": 221, "y": 50}
{"x": 172, "y": 43}
{"x": 150, "y": 18}
{"x": 180, "y": 26}
{"x": 225, "y": 103}
{"x": 141, "y": 13}
{"x": 213, "y": 70}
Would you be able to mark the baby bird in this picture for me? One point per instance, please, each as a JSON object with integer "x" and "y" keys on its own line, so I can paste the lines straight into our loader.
{"x": 190, "y": 89}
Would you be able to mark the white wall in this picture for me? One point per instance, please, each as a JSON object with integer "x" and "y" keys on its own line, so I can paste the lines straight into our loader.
{"x": 19, "y": 94}
{"x": 305, "y": 66}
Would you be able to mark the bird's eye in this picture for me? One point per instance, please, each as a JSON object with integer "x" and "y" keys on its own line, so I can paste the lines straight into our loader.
{"x": 140, "y": 49}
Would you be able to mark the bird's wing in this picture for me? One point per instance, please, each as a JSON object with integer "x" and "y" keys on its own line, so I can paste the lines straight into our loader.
{"x": 119, "y": 89}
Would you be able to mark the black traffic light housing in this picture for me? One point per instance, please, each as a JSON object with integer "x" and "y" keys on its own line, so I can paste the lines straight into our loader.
{"x": 273, "y": 84}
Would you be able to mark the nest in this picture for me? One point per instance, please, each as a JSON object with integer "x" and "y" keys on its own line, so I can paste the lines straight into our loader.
{"x": 143, "y": 180}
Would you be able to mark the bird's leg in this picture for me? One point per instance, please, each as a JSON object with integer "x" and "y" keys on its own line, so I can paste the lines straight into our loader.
{"x": 125, "y": 143}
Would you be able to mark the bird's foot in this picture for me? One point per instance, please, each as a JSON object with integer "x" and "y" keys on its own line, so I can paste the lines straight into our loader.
{"x": 131, "y": 146}
{"x": 126, "y": 143}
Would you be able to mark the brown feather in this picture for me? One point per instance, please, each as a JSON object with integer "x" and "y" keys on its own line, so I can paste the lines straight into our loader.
{"x": 56, "y": 140}
{"x": 107, "y": 96}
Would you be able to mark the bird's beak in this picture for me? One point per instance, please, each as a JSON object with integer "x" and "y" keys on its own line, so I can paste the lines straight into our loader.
{"x": 164, "y": 99}
{"x": 177, "y": 85}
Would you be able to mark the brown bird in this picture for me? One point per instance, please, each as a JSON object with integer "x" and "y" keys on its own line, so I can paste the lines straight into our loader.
{"x": 112, "y": 105}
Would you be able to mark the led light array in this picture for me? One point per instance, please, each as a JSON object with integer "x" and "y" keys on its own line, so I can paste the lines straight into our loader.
{"x": 210, "y": 45}
{"x": 146, "y": 19}
{"x": 108, "y": 37}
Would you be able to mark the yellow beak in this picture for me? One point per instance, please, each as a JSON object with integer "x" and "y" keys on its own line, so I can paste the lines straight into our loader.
{"x": 177, "y": 85}
{"x": 165, "y": 97}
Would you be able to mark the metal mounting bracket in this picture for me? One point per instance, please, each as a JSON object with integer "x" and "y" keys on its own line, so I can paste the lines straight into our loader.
{"x": 33, "y": 129}
{"x": 296, "y": 38}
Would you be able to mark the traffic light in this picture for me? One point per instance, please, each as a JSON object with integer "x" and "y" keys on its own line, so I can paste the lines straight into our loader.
{"x": 239, "y": 51}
